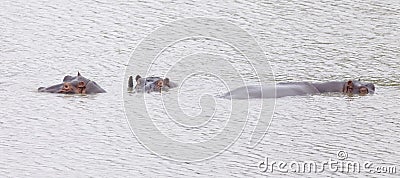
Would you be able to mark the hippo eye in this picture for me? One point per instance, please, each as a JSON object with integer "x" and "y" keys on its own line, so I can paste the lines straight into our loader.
{"x": 81, "y": 84}
{"x": 65, "y": 86}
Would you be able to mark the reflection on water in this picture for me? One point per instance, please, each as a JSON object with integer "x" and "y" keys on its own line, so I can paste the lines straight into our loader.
{"x": 50, "y": 134}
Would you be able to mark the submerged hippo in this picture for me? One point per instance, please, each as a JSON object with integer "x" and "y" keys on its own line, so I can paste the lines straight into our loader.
{"x": 74, "y": 85}
{"x": 300, "y": 88}
{"x": 150, "y": 84}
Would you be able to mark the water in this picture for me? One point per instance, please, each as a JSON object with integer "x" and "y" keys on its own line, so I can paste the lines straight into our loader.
{"x": 56, "y": 135}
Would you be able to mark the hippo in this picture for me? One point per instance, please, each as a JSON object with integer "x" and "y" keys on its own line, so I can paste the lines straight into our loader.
{"x": 74, "y": 85}
{"x": 150, "y": 84}
{"x": 300, "y": 88}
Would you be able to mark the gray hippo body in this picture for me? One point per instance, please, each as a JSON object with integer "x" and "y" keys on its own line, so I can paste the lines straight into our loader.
{"x": 74, "y": 85}
{"x": 150, "y": 84}
{"x": 300, "y": 88}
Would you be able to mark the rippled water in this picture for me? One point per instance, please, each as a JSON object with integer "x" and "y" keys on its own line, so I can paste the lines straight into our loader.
{"x": 56, "y": 135}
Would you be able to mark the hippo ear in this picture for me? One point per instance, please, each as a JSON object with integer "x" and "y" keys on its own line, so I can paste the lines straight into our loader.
{"x": 166, "y": 81}
{"x": 137, "y": 77}
{"x": 130, "y": 82}
{"x": 79, "y": 74}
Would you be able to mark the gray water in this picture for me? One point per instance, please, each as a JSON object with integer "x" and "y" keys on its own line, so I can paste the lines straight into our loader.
{"x": 51, "y": 135}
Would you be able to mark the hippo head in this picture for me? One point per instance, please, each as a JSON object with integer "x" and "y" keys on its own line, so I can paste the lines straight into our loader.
{"x": 150, "y": 84}
{"x": 74, "y": 85}
{"x": 357, "y": 87}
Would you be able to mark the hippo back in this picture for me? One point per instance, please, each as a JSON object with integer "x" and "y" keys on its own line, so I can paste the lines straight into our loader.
{"x": 268, "y": 91}
{"x": 295, "y": 88}
{"x": 329, "y": 86}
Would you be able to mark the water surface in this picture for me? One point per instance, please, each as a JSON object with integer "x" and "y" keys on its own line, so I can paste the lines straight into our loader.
{"x": 69, "y": 136}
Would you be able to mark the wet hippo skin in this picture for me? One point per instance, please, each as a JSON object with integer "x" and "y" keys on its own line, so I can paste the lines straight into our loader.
{"x": 300, "y": 88}
{"x": 150, "y": 84}
{"x": 74, "y": 85}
